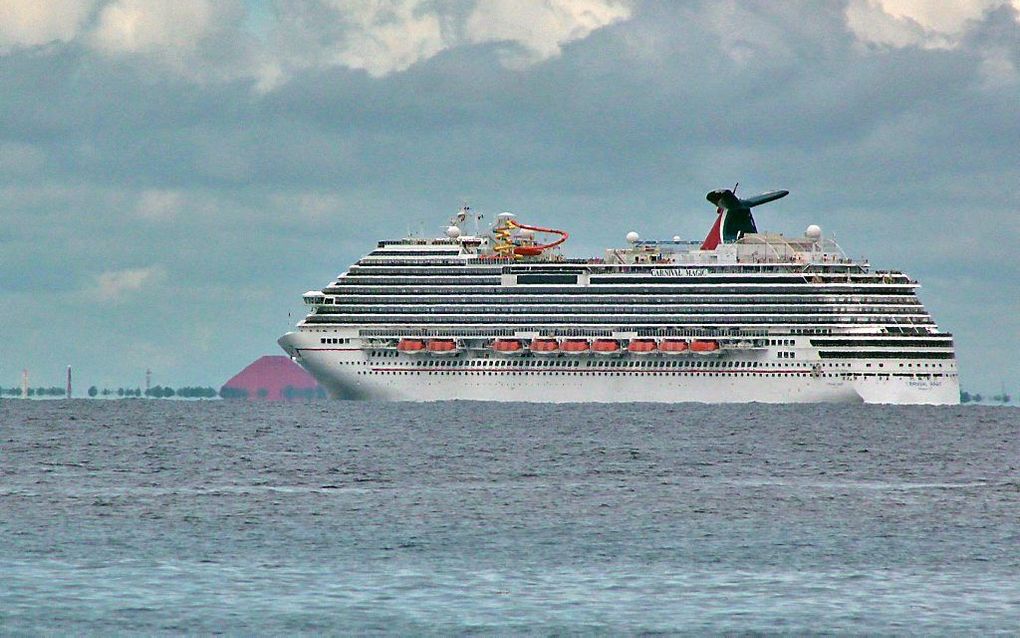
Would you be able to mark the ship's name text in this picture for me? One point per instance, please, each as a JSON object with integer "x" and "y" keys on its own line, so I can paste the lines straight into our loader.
{"x": 679, "y": 272}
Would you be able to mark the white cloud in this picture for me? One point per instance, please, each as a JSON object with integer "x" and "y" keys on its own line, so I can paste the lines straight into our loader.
{"x": 943, "y": 16}
{"x": 210, "y": 40}
{"x": 388, "y": 36}
{"x": 383, "y": 36}
{"x": 935, "y": 25}
{"x": 34, "y": 22}
{"x": 113, "y": 285}
{"x": 899, "y": 23}
{"x": 133, "y": 26}
{"x": 541, "y": 28}
{"x": 197, "y": 39}
{"x": 159, "y": 204}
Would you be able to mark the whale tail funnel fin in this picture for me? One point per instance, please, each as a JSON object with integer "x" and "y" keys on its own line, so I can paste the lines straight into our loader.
{"x": 734, "y": 215}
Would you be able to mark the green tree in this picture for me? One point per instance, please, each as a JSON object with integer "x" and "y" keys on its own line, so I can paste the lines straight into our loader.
{"x": 227, "y": 392}
{"x": 93, "y": 391}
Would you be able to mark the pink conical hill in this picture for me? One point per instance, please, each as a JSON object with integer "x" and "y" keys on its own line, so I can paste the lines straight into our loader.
{"x": 270, "y": 376}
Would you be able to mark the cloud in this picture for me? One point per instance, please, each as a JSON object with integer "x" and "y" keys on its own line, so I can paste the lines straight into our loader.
{"x": 33, "y": 22}
{"x": 540, "y": 29}
{"x": 214, "y": 41}
{"x": 133, "y": 26}
{"x": 159, "y": 204}
{"x": 382, "y": 37}
{"x": 114, "y": 285}
{"x": 899, "y": 23}
{"x": 201, "y": 40}
{"x": 948, "y": 24}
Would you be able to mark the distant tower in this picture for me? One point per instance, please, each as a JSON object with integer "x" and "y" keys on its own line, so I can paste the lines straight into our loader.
{"x": 68, "y": 395}
{"x": 148, "y": 380}
{"x": 24, "y": 384}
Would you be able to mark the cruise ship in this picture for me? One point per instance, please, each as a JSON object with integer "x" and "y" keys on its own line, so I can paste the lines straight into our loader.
{"x": 741, "y": 316}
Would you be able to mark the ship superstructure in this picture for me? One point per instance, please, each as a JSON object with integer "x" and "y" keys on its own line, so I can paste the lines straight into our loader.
{"x": 741, "y": 316}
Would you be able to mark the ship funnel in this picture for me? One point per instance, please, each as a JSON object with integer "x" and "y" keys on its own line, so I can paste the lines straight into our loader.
{"x": 735, "y": 217}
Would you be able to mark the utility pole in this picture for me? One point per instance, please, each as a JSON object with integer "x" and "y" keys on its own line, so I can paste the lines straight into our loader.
{"x": 68, "y": 395}
{"x": 24, "y": 383}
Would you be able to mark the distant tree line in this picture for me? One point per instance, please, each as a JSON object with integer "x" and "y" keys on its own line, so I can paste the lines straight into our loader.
{"x": 289, "y": 392}
{"x": 967, "y": 397}
{"x": 156, "y": 392}
{"x": 34, "y": 392}
{"x": 196, "y": 392}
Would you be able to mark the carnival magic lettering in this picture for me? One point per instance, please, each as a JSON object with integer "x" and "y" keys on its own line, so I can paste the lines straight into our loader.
{"x": 679, "y": 272}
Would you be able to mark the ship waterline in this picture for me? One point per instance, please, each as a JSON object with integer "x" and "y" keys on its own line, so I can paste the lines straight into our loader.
{"x": 742, "y": 316}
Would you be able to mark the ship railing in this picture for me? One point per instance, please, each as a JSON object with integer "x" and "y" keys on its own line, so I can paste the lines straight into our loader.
{"x": 718, "y": 333}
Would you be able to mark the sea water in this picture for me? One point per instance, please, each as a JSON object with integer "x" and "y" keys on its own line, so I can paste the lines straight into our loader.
{"x": 328, "y": 517}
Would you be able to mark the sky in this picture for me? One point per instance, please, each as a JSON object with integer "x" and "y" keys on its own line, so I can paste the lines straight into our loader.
{"x": 174, "y": 175}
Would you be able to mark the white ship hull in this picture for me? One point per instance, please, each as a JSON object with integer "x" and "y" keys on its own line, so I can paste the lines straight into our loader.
{"x": 351, "y": 373}
{"x": 743, "y": 316}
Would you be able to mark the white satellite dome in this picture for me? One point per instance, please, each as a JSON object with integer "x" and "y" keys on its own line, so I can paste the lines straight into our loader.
{"x": 505, "y": 215}
{"x": 813, "y": 232}
{"x": 633, "y": 237}
{"x": 676, "y": 238}
{"x": 453, "y": 232}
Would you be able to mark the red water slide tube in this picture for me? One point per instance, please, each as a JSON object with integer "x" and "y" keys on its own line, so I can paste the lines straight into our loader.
{"x": 530, "y": 251}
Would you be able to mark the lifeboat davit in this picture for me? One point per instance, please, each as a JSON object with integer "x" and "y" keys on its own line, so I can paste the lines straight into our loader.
{"x": 442, "y": 346}
{"x": 605, "y": 346}
{"x": 411, "y": 346}
{"x": 544, "y": 346}
{"x": 574, "y": 346}
{"x": 673, "y": 346}
{"x": 508, "y": 346}
{"x": 641, "y": 346}
{"x": 703, "y": 346}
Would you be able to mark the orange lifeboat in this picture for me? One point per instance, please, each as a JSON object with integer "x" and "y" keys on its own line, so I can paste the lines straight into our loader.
{"x": 507, "y": 346}
{"x": 544, "y": 346}
{"x": 411, "y": 346}
{"x": 702, "y": 346}
{"x": 574, "y": 346}
{"x": 442, "y": 346}
{"x": 605, "y": 346}
{"x": 641, "y": 346}
{"x": 673, "y": 346}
